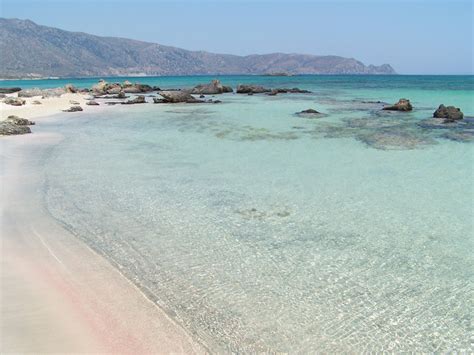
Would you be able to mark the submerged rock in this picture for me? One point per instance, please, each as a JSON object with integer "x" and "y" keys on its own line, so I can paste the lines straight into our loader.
{"x": 449, "y": 113}
{"x": 14, "y": 101}
{"x": 443, "y": 123}
{"x": 74, "y": 109}
{"x": 401, "y": 105}
{"x": 215, "y": 87}
{"x": 394, "y": 140}
{"x": 310, "y": 113}
{"x": 251, "y": 89}
{"x": 92, "y": 103}
{"x": 9, "y": 128}
{"x": 140, "y": 99}
{"x": 460, "y": 136}
{"x": 177, "y": 97}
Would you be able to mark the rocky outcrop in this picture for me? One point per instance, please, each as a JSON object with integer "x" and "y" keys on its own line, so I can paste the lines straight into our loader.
{"x": 449, "y": 113}
{"x": 92, "y": 103}
{"x": 15, "y": 125}
{"x": 401, "y": 105}
{"x": 140, "y": 99}
{"x": 8, "y": 129}
{"x": 176, "y": 97}
{"x": 19, "y": 121}
{"x": 214, "y": 88}
{"x": 74, "y": 109}
{"x": 9, "y": 90}
{"x": 14, "y": 101}
{"x": 104, "y": 88}
{"x": 251, "y": 89}
{"x": 130, "y": 88}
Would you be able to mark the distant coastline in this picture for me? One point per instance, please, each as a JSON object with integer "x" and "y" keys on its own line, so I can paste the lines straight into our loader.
{"x": 41, "y": 51}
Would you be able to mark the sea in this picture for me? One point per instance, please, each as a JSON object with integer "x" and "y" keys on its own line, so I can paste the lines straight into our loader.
{"x": 261, "y": 230}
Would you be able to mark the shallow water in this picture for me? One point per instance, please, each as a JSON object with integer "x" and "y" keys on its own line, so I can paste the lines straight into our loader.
{"x": 259, "y": 230}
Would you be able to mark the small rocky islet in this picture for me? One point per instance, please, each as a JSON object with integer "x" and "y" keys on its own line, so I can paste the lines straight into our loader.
{"x": 444, "y": 117}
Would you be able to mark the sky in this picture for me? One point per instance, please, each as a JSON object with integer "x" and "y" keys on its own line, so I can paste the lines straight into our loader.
{"x": 415, "y": 37}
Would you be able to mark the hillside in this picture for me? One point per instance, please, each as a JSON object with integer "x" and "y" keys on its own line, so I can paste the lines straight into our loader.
{"x": 31, "y": 50}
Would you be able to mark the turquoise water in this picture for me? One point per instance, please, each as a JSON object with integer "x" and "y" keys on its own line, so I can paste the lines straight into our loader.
{"x": 259, "y": 230}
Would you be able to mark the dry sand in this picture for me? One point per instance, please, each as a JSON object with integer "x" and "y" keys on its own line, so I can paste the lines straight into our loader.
{"x": 49, "y": 106}
{"x": 57, "y": 295}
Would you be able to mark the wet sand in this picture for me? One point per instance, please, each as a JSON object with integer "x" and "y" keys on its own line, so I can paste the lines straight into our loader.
{"x": 57, "y": 295}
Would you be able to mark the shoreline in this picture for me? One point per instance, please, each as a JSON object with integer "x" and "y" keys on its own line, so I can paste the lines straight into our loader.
{"x": 51, "y": 300}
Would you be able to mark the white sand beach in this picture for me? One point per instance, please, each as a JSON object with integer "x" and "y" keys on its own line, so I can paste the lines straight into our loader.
{"x": 48, "y": 106}
{"x": 57, "y": 295}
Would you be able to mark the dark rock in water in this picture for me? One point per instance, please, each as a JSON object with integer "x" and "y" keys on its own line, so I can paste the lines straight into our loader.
{"x": 14, "y": 101}
{"x": 9, "y": 90}
{"x": 36, "y": 102}
{"x": 69, "y": 88}
{"x": 310, "y": 113}
{"x": 19, "y": 121}
{"x": 401, "y": 105}
{"x": 157, "y": 100}
{"x": 140, "y": 99}
{"x": 215, "y": 87}
{"x": 120, "y": 95}
{"x": 291, "y": 91}
{"x": 92, "y": 103}
{"x": 74, "y": 109}
{"x": 9, "y": 128}
{"x": 254, "y": 89}
{"x": 272, "y": 93}
{"x": 449, "y": 113}
{"x": 216, "y": 101}
{"x": 177, "y": 97}
{"x": 202, "y": 96}
{"x": 394, "y": 140}
{"x": 466, "y": 136}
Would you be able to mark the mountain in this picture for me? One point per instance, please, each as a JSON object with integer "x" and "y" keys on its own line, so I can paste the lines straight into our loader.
{"x": 31, "y": 50}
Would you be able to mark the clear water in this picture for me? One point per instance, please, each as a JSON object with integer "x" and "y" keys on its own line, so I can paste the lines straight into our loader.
{"x": 259, "y": 230}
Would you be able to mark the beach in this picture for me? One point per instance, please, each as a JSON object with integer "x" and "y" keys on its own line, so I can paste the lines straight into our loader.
{"x": 244, "y": 226}
{"x": 57, "y": 294}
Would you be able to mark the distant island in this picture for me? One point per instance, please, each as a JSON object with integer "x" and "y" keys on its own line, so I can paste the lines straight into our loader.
{"x": 33, "y": 51}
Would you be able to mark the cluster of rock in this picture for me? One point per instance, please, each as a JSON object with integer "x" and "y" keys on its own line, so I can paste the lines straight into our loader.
{"x": 214, "y": 88}
{"x": 449, "y": 114}
{"x": 15, "y": 125}
{"x": 105, "y": 88}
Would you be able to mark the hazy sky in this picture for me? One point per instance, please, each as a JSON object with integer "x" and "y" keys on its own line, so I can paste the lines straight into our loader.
{"x": 430, "y": 36}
